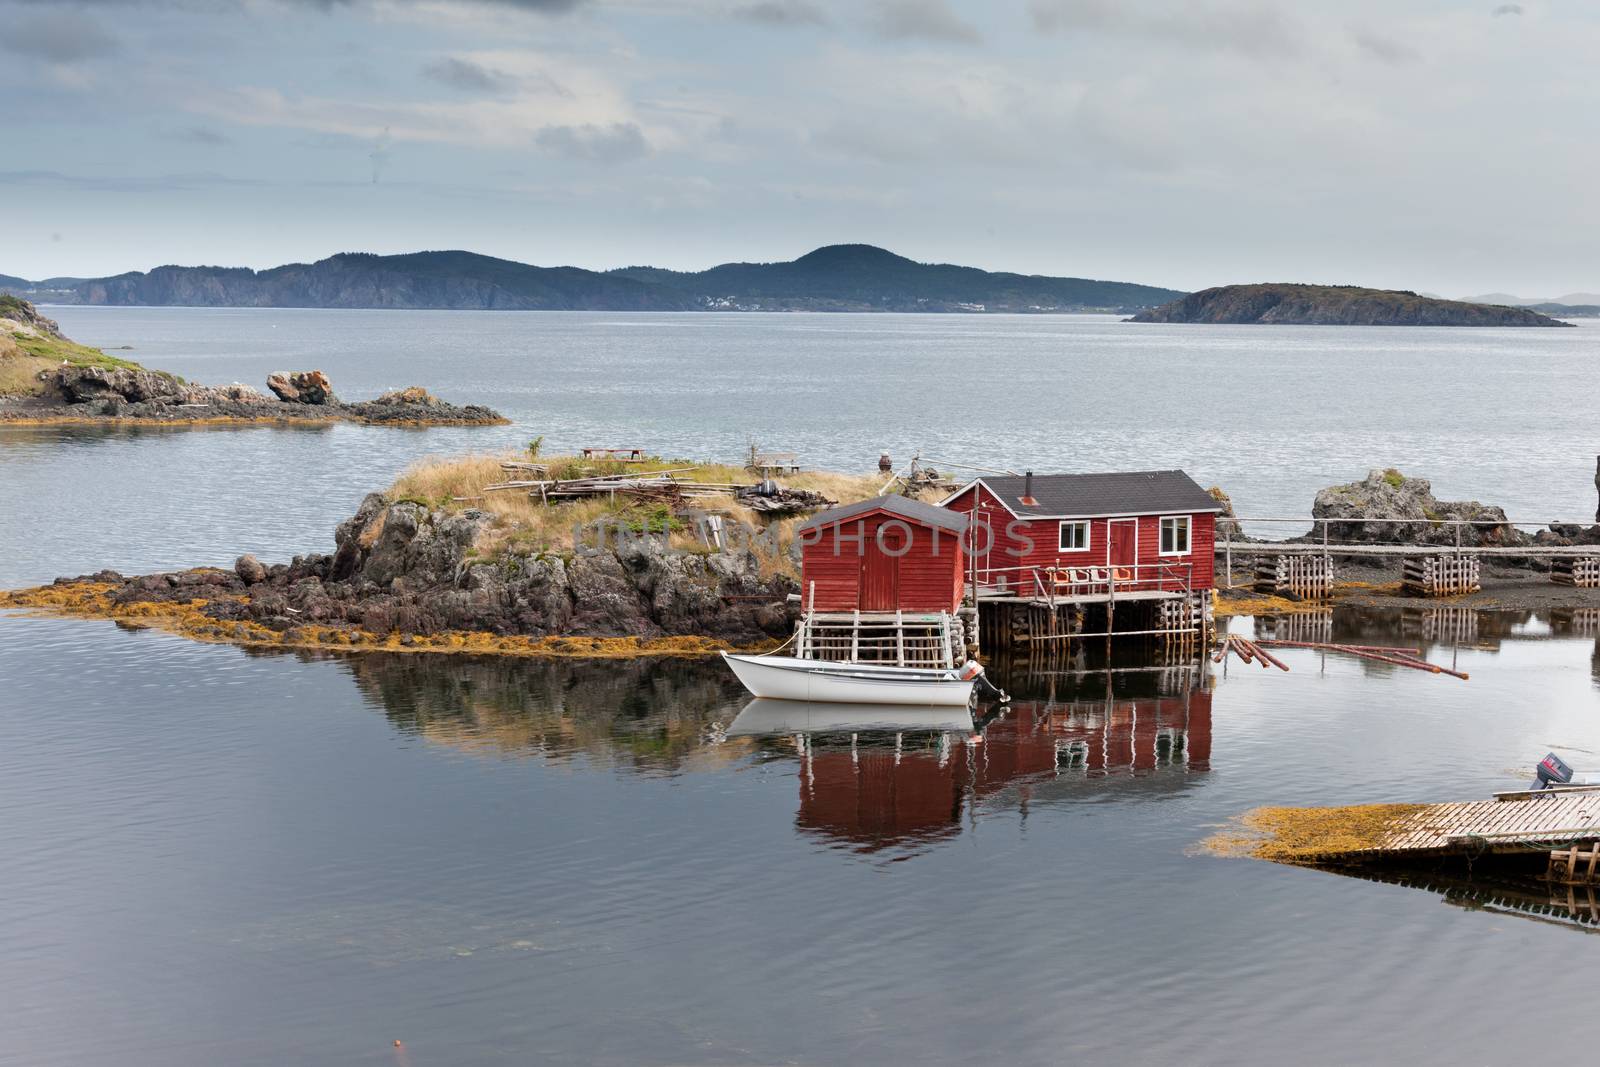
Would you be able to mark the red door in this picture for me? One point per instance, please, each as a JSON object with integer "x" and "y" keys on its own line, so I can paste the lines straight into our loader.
{"x": 1124, "y": 542}
{"x": 880, "y": 574}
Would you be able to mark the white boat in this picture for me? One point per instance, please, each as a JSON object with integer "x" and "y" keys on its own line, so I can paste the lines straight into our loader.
{"x": 788, "y": 678}
{"x": 763, "y": 717}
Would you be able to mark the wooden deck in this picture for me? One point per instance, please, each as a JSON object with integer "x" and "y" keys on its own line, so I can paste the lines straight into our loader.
{"x": 1511, "y": 822}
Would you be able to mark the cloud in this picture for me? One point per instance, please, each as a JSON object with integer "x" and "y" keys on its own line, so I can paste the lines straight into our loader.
{"x": 1507, "y": 9}
{"x": 615, "y": 143}
{"x": 1383, "y": 48}
{"x": 382, "y": 150}
{"x": 781, "y": 13}
{"x": 58, "y": 37}
{"x": 925, "y": 20}
{"x": 1249, "y": 26}
{"x": 546, "y": 7}
{"x": 201, "y": 135}
{"x": 468, "y": 76}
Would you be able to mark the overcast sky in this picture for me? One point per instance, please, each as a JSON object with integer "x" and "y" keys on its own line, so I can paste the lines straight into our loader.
{"x": 1446, "y": 147}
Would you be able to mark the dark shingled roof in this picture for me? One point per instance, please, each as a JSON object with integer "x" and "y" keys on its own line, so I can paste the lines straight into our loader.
{"x": 914, "y": 510}
{"x": 1123, "y": 493}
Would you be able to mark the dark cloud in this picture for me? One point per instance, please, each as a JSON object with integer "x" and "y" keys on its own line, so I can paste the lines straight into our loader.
{"x": 782, "y": 13}
{"x": 58, "y": 37}
{"x": 469, "y": 76}
{"x": 615, "y": 143}
{"x": 925, "y": 20}
{"x": 1507, "y": 9}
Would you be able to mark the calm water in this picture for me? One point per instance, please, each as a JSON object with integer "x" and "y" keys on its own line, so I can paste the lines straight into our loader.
{"x": 1270, "y": 414}
{"x": 214, "y": 856}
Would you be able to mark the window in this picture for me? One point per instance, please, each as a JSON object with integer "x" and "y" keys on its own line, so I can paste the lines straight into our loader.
{"x": 1074, "y": 536}
{"x": 1175, "y": 535}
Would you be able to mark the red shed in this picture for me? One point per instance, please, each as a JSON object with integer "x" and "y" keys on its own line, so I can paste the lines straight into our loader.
{"x": 1078, "y": 534}
{"x": 886, "y": 554}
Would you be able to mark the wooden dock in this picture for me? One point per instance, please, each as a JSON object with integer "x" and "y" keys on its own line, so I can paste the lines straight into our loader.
{"x": 1509, "y": 822}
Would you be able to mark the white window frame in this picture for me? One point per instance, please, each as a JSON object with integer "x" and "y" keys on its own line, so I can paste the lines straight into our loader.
{"x": 1188, "y": 534}
{"x": 1088, "y": 535}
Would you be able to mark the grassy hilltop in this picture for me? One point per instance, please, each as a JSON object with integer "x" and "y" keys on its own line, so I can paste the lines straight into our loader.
{"x": 31, "y": 344}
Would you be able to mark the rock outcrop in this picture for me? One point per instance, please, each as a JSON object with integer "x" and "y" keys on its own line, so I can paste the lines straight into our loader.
{"x": 1389, "y": 507}
{"x": 90, "y": 392}
{"x": 399, "y": 567}
{"x": 81, "y": 385}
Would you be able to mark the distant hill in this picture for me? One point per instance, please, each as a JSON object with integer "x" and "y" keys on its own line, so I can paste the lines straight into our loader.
{"x": 867, "y": 278}
{"x": 836, "y": 278}
{"x": 1570, "y": 300}
{"x": 1334, "y": 305}
{"x": 1568, "y": 311}
{"x": 361, "y": 280}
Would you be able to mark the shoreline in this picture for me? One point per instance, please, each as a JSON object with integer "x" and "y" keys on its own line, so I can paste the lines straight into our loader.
{"x": 11, "y": 418}
{"x": 89, "y": 599}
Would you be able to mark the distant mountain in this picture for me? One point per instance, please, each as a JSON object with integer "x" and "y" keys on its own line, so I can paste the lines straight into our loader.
{"x": 1568, "y": 311}
{"x": 1570, "y": 300}
{"x": 867, "y": 278}
{"x": 836, "y": 278}
{"x": 1335, "y": 305}
{"x": 361, "y": 280}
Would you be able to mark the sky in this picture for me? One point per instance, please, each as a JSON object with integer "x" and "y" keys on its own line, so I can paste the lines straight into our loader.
{"x": 1447, "y": 147}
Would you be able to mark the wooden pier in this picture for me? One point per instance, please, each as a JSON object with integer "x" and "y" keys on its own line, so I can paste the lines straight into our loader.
{"x": 1546, "y": 820}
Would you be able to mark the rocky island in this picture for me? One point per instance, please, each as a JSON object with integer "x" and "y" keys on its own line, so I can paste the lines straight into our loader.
{"x": 439, "y": 562}
{"x": 1334, "y": 305}
{"x": 48, "y": 380}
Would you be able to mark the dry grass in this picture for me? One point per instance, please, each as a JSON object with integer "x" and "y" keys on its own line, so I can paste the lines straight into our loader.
{"x": 526, "y": 526}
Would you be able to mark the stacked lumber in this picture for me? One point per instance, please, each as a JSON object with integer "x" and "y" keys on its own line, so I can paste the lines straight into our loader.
{"x": 1307, "y": 577}
{"x": 1583, "y": 572}
{"x": 1441, "y": 575}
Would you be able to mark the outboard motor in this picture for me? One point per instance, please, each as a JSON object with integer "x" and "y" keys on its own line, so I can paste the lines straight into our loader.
{"x": 972, "y": 671}
{"x": 1551, "y": 771}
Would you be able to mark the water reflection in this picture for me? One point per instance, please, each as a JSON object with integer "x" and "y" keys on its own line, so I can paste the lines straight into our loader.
{"x": 647, "y": 716}
{"x": 870, "y": 784}
{"x": 1524, "y": 896}
{"x": 1444, "y": 630}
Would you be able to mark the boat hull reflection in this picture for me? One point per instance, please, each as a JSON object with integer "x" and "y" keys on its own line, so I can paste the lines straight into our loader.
{"x": 765, "y": 716}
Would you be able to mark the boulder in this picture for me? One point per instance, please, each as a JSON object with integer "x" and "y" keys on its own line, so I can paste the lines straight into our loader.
{"x": 302, "y": 387}
{"x": 1390, "y": 495}
{"x": 415, "y": 394}
{"x": 250, "y": 570}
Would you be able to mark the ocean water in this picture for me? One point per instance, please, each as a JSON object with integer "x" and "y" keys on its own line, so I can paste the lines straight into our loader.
{"x": 214, "y": 855}
{"x": 220, "y": 856}
{"x": 1270, "y": 414}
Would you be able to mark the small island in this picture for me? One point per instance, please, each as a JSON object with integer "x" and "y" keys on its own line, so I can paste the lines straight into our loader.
{"x": 1286, "y": 304}
{"x": 48, "y": 380}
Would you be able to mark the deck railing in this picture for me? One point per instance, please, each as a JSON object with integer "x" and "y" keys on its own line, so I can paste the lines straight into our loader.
{"x": 1053, "y": 583}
